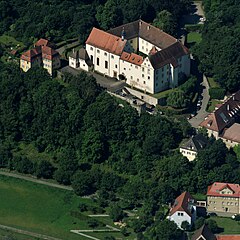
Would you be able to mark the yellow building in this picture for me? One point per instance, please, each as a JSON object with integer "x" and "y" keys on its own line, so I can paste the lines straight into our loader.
{"x": 42, "y": 55}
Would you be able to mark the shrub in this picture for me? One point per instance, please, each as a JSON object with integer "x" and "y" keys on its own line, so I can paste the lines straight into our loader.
{"x": 217, "y": 93}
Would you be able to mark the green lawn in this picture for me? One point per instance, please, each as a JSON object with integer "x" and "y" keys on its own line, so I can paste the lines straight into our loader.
{"x": 230, "y": 226}
{"x": 212, "y": 104}
{"x": 194, "y": 37}
{"x": 212, "y": 83}
{"x": 200, "y": 197}
{"x": 42, "y": 209}
{"x": 163, "y": 94}
{"x": 10, "y": 41}
{"x": 5, "y": 234}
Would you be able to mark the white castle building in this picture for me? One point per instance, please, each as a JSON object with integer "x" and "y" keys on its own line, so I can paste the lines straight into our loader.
{"x": 148, "y": 58}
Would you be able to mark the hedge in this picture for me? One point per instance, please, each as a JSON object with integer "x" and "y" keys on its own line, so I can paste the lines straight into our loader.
{"x": 216, "y": 93}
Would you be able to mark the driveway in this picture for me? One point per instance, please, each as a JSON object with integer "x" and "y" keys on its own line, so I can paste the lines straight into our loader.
{"x": 111, "y": 84}
{"x": 202, "y": 113}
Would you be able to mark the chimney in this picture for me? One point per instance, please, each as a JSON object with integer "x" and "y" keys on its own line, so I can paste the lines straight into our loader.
{"x": 148, "y": 27}
{"x": 123, "y": 34}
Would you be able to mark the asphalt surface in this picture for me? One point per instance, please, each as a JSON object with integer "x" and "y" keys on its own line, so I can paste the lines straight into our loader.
{"x": 202, "y": 113}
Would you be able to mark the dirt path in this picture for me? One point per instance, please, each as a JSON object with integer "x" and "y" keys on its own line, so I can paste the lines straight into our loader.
{"x": 32, "y": 234}
{"x": 35, "y": 180}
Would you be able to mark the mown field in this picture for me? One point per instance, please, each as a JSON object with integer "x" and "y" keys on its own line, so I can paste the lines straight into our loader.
{"x": 42, "y": 209}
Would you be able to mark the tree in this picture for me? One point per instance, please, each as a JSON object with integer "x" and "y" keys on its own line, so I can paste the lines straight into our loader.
{"x": 44, "y": 169}
{"x": 166, "y": 22}
{"x": 185, "y": 226}
{"x": 177, "y": 99}
{"x": 199, "y": 222}
{"x": 116, "y": 213}
{"x": 109, "y": 15}
{"x": 212, "y": 225}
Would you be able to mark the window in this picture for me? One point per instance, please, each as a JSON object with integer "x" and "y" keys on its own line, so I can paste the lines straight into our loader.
{"x": 131, "y": 77}
{"x": 136, "y": 67}
{"x": 105, "y": 54}
{"x": 156, "y": 86}
{"x": 91, "y": 48}
{"x": 116, "y": 66}
{"x": 137, "y": 80}
{"x": 112, "y": 57}
{"x": 98, "y": 51}
{"x": 148, "y": 77}
{"x": 98, "y": 61}
{"x": 131, "y": 41}
{"x": 146, "y": 49}
{"x": 91, "y": 57}
{"x": 106, "y": 64}
{"x": 142, "y": 47}
{"x": 144, "y": 82}
{"x": 143, "y": 75}
{"x": 124, "y": 68}
{"x": 143, "y": 69}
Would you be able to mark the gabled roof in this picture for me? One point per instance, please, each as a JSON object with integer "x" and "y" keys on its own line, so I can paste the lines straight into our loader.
{"x": 168, "y": 55}
{"x": 44, "y": 42}
{"x": 195, "y": 143}
{"x": 215, "y": 188}
{"x": 232, "y": 133}
{"x": 204, "y": 232}
{"x": 81, "y": 53}
{"x": 49, "y": 53}
{"x": 31, "y": 54}
{"x": 182, "y": 204}
{"x": 224, "y": 115}
{"x": 132, "y": 58}
{"x": 145, "y": 31}
{"x": 106, "y": 41}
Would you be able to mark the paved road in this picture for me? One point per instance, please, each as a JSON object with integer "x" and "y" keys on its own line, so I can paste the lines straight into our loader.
{"x": 32, "y": 179}
{"x": 202, "y": 113}
{"x": 110, "y": 84}
{"x": 32, "y": 234}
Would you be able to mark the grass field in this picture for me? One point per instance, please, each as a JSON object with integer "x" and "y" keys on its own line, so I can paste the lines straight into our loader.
{"x": 4, "y": 235}
{"x": 42, "y": 209}
{"x": 212, "y": 83}
{"x": 10, "y": 41}
{"x": 212, "y": 104}
{"x": 163, "y": 94}
{"x": 230, "y": 226}
{"x": 194, "y": 37}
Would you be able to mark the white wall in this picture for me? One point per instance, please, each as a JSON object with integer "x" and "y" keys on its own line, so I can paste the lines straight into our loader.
{"x": 145, "y": 46}
{"x": 191, "y": 155}
{"x": 179, "y": 219}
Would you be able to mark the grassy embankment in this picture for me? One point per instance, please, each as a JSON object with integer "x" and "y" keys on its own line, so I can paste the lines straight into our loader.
{"x": 44, "y": 209}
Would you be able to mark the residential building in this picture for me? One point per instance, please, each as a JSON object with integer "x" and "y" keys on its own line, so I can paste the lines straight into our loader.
{"x": 203, "y": 233}
{"x": 190, "y": 148}
{"x": 80, "y": 59}
{"x": 146, "y": 57}
{"x": 41, "y": 55}
{"x": 223, "y": 198}
{"x": 224, "y": 122}
{"x": 183, "y": 209}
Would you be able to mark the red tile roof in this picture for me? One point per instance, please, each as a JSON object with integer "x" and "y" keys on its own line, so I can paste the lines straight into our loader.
{"x": 181, "y": 203}
{"x": 228, "y": 237}
{"x": 232, "y": 133}
{"x": 224, "y": 115}
{"x": 106, "y": 41}
{"x": 42, "y": 42}
{"x": 41, "y": 50}
{"x": 132, "y": 58}
{"x": 215, "y": 188}
{"x": 31, "y": 54}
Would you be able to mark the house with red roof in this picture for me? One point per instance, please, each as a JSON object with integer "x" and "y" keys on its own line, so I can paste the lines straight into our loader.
{"x": 224, "y": 122}
{"x": 146, "y": 57}
{"x": 41, "y": 55}
{"x": 183, "y": 209}
{"x": 223, "y": 198}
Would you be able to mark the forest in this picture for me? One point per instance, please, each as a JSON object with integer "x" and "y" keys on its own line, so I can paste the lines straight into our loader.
{"x": 218, "y": 52}
{"x": 27, "y": 20}
{"x": 98, "y": 146}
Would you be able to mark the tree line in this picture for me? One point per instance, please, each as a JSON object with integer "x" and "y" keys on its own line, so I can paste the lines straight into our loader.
{"x": 57, "y": 20}
{"x": 218, "y": 52}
